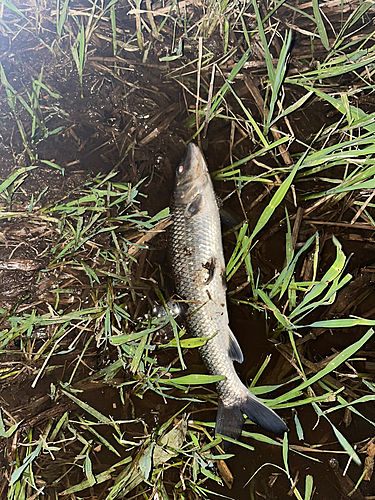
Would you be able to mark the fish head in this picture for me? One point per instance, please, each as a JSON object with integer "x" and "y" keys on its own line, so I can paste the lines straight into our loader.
{"x": 192, "y": 174}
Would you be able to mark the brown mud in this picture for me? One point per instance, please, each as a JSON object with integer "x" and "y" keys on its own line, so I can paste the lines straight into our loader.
{"x": 131, "y": 117}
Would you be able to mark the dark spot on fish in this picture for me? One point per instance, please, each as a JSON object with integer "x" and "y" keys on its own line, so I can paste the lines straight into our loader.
{"x": 195, "y": 206}
{"x": 178, "y": 278}
{"x": 222, "y": 305}
{"x": 187, "y": 251}
{"x": 210, "y": 266}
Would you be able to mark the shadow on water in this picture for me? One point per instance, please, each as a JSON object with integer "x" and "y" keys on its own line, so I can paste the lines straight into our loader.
{"x": 133, "y": 119}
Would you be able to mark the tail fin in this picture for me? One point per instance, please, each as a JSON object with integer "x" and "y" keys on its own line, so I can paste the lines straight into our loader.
{"x": 230, "y": 419}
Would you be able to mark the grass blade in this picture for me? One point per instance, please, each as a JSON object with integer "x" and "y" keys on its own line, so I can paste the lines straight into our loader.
{"x": 332, "y": 365}
{"x": 320, "y": 24}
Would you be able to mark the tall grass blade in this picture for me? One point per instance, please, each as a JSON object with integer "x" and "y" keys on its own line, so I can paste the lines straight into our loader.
{"x": 279, "y": 76}
{"x": 276, "y": 200}
{"x": 267, "y": 53}
{"x": 292, "y": 108}
{"x": 340, "y": 437}
{"x": 342, "y": 323}
{"x": 354, "y": 17}
{"x": 320, "y": 24}
{"x": 219, "y": 96}
{"x": 332, "y": 365}
{"x": 253, "y": 123}
{"x": 14, "y": 8}
{"x": 61, "y": 16}
{"x": 89, "y": 409}
{"x": 333, "y": 273}
{"x": 283, "y": 280}
{"x": 285, "y": 453}
{"x": 356, "y": 111}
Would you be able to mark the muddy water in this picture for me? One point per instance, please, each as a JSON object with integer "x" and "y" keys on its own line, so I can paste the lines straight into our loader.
{"x": 97, "y": 130}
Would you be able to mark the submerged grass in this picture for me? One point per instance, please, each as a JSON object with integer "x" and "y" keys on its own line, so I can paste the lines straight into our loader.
{"x": 97, "y": 299}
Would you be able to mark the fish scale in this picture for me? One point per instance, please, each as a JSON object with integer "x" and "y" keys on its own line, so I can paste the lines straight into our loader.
{"x": 199, "y": 272}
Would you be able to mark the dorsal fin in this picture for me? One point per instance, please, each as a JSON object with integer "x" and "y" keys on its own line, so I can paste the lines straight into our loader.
{"x": 235, "y": 352}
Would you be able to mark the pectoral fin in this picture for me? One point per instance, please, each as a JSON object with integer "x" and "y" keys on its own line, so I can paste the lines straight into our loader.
{"x": 195, "y": 206}
{"x": 235, "y": 352}
{"x": 227, "y": 219}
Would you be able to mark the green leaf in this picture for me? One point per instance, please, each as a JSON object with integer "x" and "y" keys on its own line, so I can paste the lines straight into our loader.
{"x": 13, "y": 177}
{"x": 299, "y": 428}
{"x": 235, "y": 441}
{"x": 145, "y": 462}
{"x": 309, "y": 483}
{"x": 187, "y": 343}
{"x": 2, "y": 427}
{"x": 342, "y": 323}
{"x": 279, "y": 76}
{"x": 285, "y": 453}
{"x": 195, "y": 379}
{"x": 277, "y": 198}
{"x": 26, "y": 462}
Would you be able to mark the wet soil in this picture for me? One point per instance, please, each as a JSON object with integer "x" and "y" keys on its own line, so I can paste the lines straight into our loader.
{"x": 132, "y": 117}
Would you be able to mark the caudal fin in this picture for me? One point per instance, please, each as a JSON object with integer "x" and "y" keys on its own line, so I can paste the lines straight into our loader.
{"x": 230, "y": 419}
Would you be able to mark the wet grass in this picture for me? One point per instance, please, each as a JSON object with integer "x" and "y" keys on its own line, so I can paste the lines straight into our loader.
{"x": 98, "y": 298}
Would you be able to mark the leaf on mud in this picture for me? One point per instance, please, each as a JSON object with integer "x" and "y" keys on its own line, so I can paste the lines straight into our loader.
{"x": 369, "y": 460}
{"x": 145, "y": 462}
{"x": 153, "y": 455}
{"x": 309, "y": 483}
{"x": 2, "y": 428}
{"x": 100, "y": 478}
{"x": 89, "y": 409}
{"x": 171, "y": 441}
{"x": 26, "y": 462}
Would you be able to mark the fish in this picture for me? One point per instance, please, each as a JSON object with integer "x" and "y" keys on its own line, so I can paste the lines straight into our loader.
{"x": 197, "y": 260}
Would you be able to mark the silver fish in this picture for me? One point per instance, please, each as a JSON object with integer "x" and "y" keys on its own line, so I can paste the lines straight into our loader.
{"x": 199, "y": 272}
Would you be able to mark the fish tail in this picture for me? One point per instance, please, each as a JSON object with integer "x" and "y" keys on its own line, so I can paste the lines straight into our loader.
{"x": 230, "y": 419}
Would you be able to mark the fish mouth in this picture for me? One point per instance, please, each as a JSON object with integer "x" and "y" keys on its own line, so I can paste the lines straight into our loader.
{"x": 192, "y": 165}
